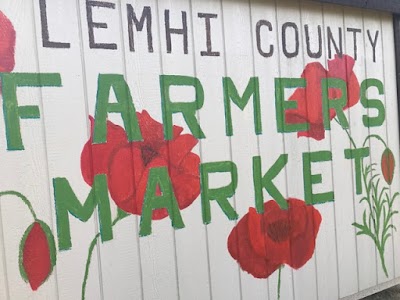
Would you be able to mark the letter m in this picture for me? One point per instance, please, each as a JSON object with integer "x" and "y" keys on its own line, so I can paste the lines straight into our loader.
{"x": 231, "y": 93}
{"x": 139, "y": 24}
{"x": 67, "y": 203}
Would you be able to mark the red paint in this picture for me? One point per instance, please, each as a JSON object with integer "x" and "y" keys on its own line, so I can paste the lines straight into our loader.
{"x": 387, "y": 165}
{"x": 261, "y": 243}
{"x": 7, "y": 44}
{"x": 309, "y": 99}
{"x": 36, "y": 259}
{"x": 127, "y": 164}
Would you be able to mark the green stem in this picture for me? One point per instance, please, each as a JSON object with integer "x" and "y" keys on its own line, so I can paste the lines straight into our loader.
{"x": 279, "y": 282}
{"x": 382, "y": 256}
{"x": 376, "y": 137}
{"x": 350, "y": 138}
{"x": 23, "y": 198}
{"x": 348, "y": 134}
{"x": 121, "y": 215}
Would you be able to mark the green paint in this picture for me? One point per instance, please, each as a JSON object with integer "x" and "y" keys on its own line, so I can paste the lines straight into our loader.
{"x": 375, "y": 136}
{"x": 67, "y": 203}
{"x": 231, "y": 93}
{"x": 188, "y": 109}
{"x": 265, "y": 182}
{"x": 311, "y": 179}
{"x": 220, "y": 194}
{"x": 12, "y": 111}
{"x": 372, "y": 103}
{"x": 337, "y": 104}
{"x": 281, "y": 105}
{"x": 23, "y": 199}
{"x": 158, "y": 177}
{"x": 123, "y": 106}
{"x": 357, "y": 154}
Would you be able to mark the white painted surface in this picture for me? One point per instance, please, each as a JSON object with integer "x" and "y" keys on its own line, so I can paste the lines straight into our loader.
{"x": 194, "y": 262}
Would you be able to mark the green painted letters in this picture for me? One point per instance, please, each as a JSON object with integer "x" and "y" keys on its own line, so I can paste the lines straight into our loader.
{"x": 67, "y": 203}
{"x": 265, "y": 182}
{"x": 231, "y": 93}
{"x": 372, "y": 103}
{"x": 357, "y": 154}
{"x": 124, "y": 106}
{"x": 188, "y": 109}
{"x": 158, "y": 177}
{"x": 281, "y": 105}
{"x": 12, "y": 112}
{"x": 336, "y": 104}
{"x": 310, "y": 179}
{"x": 221, "y": 194}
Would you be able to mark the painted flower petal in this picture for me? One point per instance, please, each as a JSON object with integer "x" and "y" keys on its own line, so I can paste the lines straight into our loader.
{"x": 175, "y": 150}
{"x": 309, "y": 99}
{"x": 7, "y": 44}
{"x": 341, "y": 67}
{"x": 240, "y": 248}
{"x": 141, "y": 189}
{"x": 303, "y": 245}
{"x": 95, "y": 157}
{"x": 124, "y": 174}
{"x": 186, "y": 180}
{"x": 153, "y": 131}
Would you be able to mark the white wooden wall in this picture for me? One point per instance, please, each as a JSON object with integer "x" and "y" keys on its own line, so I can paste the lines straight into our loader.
{"x": 192, "y": 263}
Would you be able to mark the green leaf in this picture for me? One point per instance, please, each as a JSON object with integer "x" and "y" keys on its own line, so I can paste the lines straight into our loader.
{"x": 361, "y": 227}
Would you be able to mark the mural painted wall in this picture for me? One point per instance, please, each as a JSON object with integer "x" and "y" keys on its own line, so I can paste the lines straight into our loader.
{"x": 196, "y": 149}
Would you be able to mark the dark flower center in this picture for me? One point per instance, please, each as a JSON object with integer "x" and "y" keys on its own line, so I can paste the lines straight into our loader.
{"x": 279, "y": 231}
{"x": 148, "y": 154}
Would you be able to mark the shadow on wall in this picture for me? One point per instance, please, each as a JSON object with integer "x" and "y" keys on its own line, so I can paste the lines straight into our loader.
{"x": 392, "y": 293}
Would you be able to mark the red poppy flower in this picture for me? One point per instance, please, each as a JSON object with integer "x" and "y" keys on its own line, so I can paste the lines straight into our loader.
{"x": 7, "y": 44}
{"x": 309, "y": 99}
{"x": 37, "y": 254}
{"x": 127, "y": 164}
{"x": 261, "y": 243}
{"x": 387, "y": 165}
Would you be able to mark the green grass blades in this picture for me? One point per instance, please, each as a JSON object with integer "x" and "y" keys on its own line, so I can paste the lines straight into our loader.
{"x": 377, "y": 217}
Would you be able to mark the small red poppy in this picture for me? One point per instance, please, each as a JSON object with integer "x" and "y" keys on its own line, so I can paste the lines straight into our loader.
{"x": 7, "y": 44}
{"x": 309, "y": 100}
{"x": 127, "y": 164}
{"x": 37, "y": 254}
{"x": 261, "y": 243}
{"x": 387, "y": 165}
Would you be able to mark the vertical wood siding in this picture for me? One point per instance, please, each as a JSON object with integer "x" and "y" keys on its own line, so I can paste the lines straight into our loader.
{"x": 194, "y": 263}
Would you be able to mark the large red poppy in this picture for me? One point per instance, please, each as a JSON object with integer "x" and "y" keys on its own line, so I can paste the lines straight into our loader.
{"x": 261, "y": 243}
{"x": 7, "y": 44}
{"x": 309, "y": 99}
{"x": 127, "y": 164}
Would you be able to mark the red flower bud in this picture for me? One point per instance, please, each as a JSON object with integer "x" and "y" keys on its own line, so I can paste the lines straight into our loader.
{"x": 37, "y": 254}
{"x": 387, "y": 165}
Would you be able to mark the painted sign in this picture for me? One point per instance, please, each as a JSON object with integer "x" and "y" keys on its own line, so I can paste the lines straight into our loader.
{"x": 197, "y": 149}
